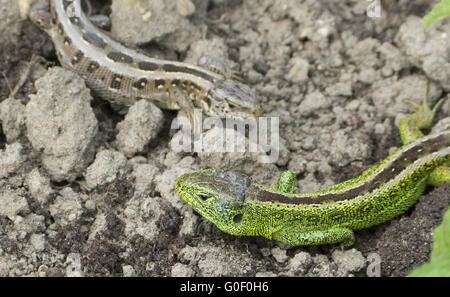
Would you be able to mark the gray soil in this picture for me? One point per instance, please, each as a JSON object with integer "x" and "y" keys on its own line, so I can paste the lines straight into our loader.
{"x": 88, "y": 189}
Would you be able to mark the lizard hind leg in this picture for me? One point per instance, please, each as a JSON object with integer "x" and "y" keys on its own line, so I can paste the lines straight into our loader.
{"x": 439, "y": 175}
{"x": 421, "y": 118}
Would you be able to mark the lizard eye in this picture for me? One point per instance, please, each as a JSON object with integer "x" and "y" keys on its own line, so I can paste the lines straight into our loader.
{"x": 204, "y": 197}
{"x": 237, "y": 218}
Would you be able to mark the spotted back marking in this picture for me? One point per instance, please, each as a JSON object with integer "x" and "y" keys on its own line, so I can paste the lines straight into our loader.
{"x": 77, "y": 57}
{"x": 140, "y": 84}
{"x": 116, "y": 81}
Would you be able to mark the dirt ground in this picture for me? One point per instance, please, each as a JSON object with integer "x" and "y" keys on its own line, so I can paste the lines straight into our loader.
{"x": 84, "y": 192}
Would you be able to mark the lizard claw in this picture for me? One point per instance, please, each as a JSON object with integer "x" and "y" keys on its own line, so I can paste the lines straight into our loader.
{"x": 414, "y": 104}
{"x": 424, "y": 107}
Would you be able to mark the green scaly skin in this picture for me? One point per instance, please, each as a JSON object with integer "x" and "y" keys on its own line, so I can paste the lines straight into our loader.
{"x": 239, "y": 206}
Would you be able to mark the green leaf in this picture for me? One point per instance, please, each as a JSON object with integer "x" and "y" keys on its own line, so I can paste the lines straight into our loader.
{"x": 441, "y": 244}
{"x": 437, "y": 267}
{"x": 440, "y": 256}
{"x": 440, "y": 11}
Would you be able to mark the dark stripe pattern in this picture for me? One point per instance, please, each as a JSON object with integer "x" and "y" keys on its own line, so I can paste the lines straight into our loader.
{"x": 94, "y": 39}
{"x": 401, "y": 162}
{"x": 175, "y": 68}
{"x": 120, "y": 57}
{"x": 148, "y": 66}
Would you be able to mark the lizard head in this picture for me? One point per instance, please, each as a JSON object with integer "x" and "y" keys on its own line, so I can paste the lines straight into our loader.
{"x": 218, "y": 196}
{"x": 230, "y": 98}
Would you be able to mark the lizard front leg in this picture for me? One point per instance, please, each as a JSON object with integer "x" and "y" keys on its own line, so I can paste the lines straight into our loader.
{"x": 422, "y": 118}
{"x": 286, "y": 182}
{"x": 410, "y": 126}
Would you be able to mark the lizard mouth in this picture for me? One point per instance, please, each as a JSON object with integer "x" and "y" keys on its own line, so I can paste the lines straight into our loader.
{"x": 187, "y": 192}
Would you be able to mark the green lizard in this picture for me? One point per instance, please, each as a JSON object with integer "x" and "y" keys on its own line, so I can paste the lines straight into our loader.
{"x": 239, "y": 206}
